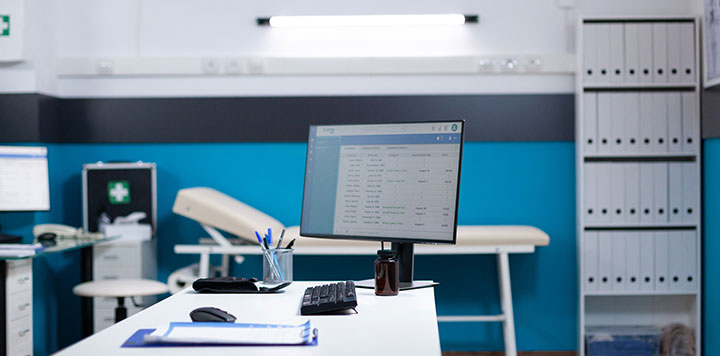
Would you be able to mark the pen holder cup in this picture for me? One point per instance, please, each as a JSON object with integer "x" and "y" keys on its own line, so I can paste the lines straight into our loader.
{"x": 278, "y": 265}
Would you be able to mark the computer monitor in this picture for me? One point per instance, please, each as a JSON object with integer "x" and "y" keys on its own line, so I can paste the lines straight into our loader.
{"x": 24, "y": 183}
{"x": 394, "y": 182}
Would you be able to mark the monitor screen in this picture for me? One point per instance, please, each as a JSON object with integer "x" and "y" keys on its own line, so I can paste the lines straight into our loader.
{"x": 388, "y": 182}
{"x": 24, "y": 184}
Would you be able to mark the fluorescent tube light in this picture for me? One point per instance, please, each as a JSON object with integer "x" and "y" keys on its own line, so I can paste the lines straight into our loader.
{"x": 368, "y": 20}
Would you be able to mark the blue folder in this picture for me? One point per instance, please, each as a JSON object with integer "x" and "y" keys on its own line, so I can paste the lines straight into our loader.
{"x": 138, "y": 340}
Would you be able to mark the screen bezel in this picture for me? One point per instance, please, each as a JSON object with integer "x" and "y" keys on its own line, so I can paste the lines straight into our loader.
{"x": 380, "y": 238}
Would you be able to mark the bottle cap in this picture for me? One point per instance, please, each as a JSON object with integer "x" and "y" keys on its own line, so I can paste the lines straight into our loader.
{"x": 386, "y": 253}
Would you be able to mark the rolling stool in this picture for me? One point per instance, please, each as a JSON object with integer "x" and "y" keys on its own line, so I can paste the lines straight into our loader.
{"x": 120, "y": 289}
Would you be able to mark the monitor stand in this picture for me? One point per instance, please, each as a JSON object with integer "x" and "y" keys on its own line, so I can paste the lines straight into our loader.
{"x": 406, "y": 259}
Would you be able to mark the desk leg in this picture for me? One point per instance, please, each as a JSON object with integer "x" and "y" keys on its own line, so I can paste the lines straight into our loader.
{"x": 86, "y": 274}
{"x": 3, "y": 307}
{"x": 506, "y": 304}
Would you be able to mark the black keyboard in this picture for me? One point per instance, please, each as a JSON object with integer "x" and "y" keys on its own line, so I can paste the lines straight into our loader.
{"x": 329, "y": 298}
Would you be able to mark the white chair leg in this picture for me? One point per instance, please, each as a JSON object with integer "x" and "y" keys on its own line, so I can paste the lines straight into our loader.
{"x": 506, "y": 304}
{"x": 204, "y": 269}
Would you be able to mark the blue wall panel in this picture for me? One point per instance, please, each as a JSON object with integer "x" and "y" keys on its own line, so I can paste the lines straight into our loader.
{"x": 501, "y": 183}
{"x": 711, "y": 247}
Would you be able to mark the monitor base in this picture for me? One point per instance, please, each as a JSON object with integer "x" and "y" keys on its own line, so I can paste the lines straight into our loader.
{"x": 370, "y": 284}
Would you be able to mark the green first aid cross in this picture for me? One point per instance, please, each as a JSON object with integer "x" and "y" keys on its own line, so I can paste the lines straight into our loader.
{"x": 4, "y": 25}
{"x": 118, "y": 192}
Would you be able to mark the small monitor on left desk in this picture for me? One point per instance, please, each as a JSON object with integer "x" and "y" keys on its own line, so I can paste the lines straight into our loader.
{"x": 24, "y": 183}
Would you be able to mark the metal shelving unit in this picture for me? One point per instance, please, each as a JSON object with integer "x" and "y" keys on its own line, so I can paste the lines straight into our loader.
{"x": 624, "y": 303}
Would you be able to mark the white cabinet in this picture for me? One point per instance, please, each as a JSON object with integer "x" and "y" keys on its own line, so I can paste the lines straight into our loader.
{"x": 122, "y": 260}
{"x": 18, "y": 326}
{"x": 639, "y": 230}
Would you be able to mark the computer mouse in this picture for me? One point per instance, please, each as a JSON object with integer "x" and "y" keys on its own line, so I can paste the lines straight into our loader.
{"x": 211, "y": 314}
{"x": 47, "y": 239}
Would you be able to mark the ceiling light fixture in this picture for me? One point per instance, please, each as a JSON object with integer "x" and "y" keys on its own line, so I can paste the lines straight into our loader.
{"x": 367, "y": 20}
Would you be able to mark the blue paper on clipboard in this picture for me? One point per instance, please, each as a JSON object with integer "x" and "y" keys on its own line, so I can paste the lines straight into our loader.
{"x": 224, "y": 334}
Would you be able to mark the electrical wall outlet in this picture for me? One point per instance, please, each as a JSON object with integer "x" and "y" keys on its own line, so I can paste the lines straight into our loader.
{"x": 105, "y": 66}
{"x": 235, "y": 66}
{"x": 211, "y": 66}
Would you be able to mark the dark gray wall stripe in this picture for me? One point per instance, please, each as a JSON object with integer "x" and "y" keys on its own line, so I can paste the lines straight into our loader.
{"x": 542, "y": 117}
{"x": 19, "y": 117}
{"x": 711, "y": 114}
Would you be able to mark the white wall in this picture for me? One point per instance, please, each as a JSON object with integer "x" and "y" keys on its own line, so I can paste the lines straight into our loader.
{"x": 87, "y": 32}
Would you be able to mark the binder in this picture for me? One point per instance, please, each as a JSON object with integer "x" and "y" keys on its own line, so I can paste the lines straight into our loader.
{"x": 617, "y": 189}
{"x": 661, "y": 261}
{"x": 690, "y": 192}
{"x": 590, "y": 122}
{"x": 603, "y": 193}
{"x": 617, "y": 117}
{"x": 619, "y": 269}
{"x": 632, "y": 122}
{"x": 674, "y": 117}
{"x": 647, "y": 131}
{"x": 590, "y": 193}
{"x": 691, "y": 261}
{"x": 687, "y": 52}
{"x": 590, "y": 258}
{"x": 645, "y": 52}
{"x": 632, "y": 60}
{"x": 676, "y": 265}
{"x": 647, "y": 260}
{"x": 673, "y": 53}
{"x": 691, "y": 123}
{"x": 659, "y": 32}
{"x": 590, "y": 72}
{"x": 660, "y": 188}
{"x": 675, "y": 190}
{"x": 647, "y": 193}
{"x": 633, "y": 277}
{"x": 632, "y": 191}
{"x": 617, "y": 52}
{"x": 604, "y": 123}
{"x": 602, "y": 38}
{"x": 660, "y": 123}
{"x": 604, "y": 260}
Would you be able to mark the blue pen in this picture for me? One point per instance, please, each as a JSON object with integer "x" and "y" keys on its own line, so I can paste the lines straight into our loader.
{"x": 269, "y": 237}
{"x": 260, "y": 240}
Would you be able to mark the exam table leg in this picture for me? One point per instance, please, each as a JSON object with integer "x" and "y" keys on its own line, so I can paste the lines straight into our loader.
{"x": 506, "y": 304}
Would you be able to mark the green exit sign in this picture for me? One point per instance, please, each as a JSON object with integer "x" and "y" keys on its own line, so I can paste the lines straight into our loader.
{"x": 4, "y": 25}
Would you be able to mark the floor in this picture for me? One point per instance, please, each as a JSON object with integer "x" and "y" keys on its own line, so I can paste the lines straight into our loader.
{"x": 501, "y": 353}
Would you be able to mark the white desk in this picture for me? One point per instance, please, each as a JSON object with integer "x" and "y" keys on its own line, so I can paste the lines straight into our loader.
{"x": 401, "y": 325}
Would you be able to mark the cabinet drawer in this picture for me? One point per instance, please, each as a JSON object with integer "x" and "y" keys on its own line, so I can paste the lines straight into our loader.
{"x": 21, "y": 350}
{"x": 20, "y": 331}
{"x": 19, "y": 278}
{"x": 19, "y": 305}
{"x": 116, "y": 255}
{"x": 101, "y": 272}
{"x": 103, "y": 318}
